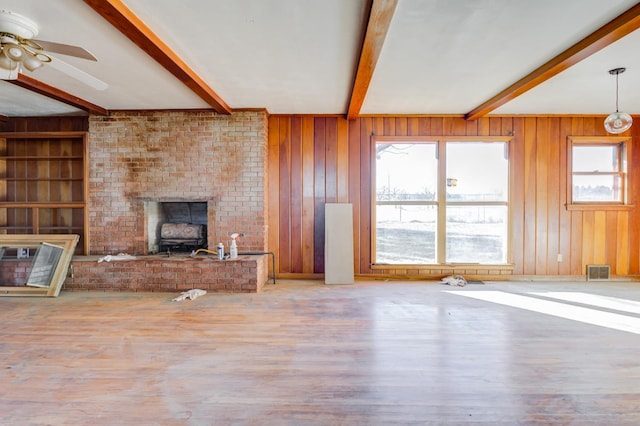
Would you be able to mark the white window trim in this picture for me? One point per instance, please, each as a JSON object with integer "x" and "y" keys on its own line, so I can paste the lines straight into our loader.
{"x": 626, "y": 203}
{"x": 441, "y": 202}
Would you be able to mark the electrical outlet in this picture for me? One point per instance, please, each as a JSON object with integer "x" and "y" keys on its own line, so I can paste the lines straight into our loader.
{"x": 559, "y": 257}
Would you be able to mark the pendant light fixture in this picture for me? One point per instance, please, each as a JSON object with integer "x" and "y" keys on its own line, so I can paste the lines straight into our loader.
{"x": 617, "y": 122}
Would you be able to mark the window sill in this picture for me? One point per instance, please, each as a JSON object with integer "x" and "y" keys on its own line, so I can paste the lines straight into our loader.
{"x": 445, "y": 266}
{"x": 593, "y": 207}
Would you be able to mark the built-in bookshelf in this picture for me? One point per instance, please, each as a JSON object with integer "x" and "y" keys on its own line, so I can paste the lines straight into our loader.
{"x": 43, "y": 186}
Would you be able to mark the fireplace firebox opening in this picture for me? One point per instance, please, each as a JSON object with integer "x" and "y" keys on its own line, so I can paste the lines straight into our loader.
{"x": 176, "y": 225}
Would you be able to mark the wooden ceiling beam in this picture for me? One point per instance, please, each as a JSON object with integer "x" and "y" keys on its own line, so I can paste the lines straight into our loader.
{"x": 380, "y": 15}
{"x": 44, "y": 89}
{"x": 611, "y": 32}
{"x": 122, "y": 18}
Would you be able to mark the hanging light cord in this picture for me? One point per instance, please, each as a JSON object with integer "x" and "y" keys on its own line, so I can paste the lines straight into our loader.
{"x": 617, "y": 72}
{"x": 617, "y": 75}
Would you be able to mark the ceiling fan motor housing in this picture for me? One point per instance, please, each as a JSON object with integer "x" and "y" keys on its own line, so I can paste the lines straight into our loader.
{"x": 18, "y": 25}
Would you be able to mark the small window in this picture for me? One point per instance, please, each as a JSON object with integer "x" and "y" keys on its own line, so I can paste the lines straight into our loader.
{"x": 598, "y": 174}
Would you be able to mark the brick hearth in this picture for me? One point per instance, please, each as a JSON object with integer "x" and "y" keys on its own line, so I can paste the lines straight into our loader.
{"x": 246, "y": 274}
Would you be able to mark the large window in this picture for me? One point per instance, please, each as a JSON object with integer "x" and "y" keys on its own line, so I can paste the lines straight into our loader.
{"x": 598, "y": 171}
{"x": 441, "y": 202}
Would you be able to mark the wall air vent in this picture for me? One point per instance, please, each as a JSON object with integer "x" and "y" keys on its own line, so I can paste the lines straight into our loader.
{"x": 598, "y": 272}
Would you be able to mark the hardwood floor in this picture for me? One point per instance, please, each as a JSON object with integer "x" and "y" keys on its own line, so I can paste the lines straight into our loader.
{"x": 303, "y": 353}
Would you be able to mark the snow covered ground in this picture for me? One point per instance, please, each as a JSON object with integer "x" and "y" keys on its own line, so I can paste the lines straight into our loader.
{"x": 415, "y": 242}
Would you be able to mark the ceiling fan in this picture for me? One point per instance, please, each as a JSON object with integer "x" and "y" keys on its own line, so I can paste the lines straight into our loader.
{"x": 19, "y": 51}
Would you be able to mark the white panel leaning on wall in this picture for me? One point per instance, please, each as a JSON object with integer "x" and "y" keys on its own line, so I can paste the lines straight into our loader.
{"x": 338, "y": 244}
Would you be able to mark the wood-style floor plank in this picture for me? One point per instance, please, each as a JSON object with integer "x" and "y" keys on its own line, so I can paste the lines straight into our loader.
{"x": 301, "y": 352}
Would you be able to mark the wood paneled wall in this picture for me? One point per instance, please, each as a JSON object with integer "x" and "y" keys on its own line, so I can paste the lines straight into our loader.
{"x": 46, "y": 124}
{"x": 319, "y": 159}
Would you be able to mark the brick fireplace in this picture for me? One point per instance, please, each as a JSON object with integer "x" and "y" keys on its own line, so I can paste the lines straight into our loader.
{"x": 137, "y": 158}
{"x": 140, "y": 156}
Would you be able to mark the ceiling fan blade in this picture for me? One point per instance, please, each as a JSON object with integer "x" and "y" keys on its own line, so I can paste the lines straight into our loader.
{"x": 78, "y": 74}
{"x": 65, "y": 49}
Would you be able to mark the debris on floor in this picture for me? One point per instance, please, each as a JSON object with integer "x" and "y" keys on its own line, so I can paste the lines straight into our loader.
{"x": 119, "y": 256}
{"x": 191, "y": 295}
{"x": 457, "y": 280}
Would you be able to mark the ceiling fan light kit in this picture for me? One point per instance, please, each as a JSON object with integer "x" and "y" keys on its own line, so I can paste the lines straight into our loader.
{"x": 617, "y": 122}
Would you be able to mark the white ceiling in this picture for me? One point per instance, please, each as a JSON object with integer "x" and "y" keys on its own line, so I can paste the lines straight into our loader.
{"x": 300, "y": 56}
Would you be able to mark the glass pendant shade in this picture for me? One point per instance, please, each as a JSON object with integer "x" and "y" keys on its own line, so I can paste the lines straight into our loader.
{"x": 6, "y": 63}
{"x": 618, "y": 122}
{"x": 14, "y": 52}
{"x": 31, "y": 63}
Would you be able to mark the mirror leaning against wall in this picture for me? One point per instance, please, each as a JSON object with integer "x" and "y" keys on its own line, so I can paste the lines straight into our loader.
{"x": 49, "y": 257}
